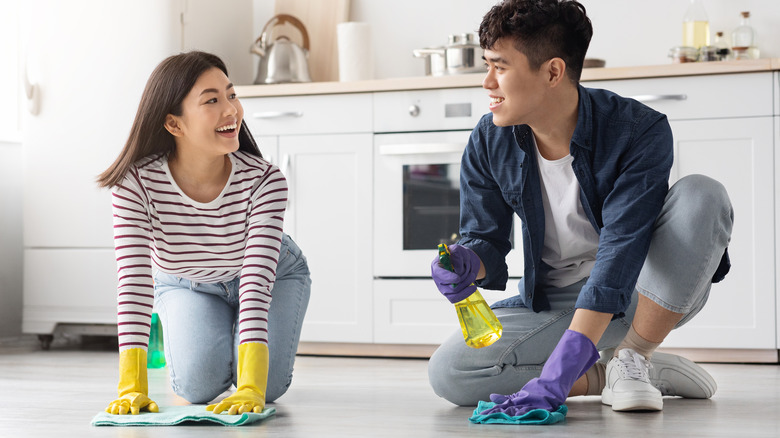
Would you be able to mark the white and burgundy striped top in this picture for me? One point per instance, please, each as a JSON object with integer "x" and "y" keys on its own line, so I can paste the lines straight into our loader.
{"x": 238, "y": 233}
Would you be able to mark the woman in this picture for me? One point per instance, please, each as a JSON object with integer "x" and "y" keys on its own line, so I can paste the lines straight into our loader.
{"x": 193, "y": 198}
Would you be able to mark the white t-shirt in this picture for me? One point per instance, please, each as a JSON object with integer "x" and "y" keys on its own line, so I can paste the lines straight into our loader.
{"x": 570, "y": 241}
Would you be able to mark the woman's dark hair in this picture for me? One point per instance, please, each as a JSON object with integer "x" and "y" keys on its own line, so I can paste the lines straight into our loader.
{"x": 165, "y": 90}
{"x": 541, "y": 30}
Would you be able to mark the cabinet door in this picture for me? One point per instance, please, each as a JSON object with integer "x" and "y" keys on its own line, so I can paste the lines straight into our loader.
{"x": 740, "y": 312}
{"x": 269, "y": 147}
{"x": 329, "y": 216}
{"x": 777, "y": 213}
{"x": 90, "y": 60}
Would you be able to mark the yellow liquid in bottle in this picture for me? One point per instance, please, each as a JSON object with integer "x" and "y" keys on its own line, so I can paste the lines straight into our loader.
{"x": 696, "y": 33}
{"x": 478, "y": 323}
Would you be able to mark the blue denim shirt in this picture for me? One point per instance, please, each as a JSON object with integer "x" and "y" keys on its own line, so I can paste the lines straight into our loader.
{"x": 622, "y": 155}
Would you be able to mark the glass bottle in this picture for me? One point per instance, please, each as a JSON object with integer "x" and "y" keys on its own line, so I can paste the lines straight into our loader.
{"x": 478, "y": 323}
{"x": 743, "y": 39}
{"x": 155, "y": 357}
{"x": 722, "y": 46}
{"x": 696, "y": 26}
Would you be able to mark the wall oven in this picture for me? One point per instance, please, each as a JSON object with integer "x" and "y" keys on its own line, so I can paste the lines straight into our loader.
{"x": 416, "y": 178}
{"x": 418, "y": 143}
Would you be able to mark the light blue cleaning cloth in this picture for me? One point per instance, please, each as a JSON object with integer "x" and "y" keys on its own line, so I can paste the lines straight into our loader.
{"x": 537, "y": 416}
{"x": 171, "y": 416}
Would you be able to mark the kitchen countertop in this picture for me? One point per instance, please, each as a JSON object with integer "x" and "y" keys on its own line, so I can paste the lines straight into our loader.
{"x": 475, "y": 80}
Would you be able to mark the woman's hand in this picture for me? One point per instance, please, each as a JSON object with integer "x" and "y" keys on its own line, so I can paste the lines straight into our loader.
{"x": 244, "y": 400}
{"x": 251, "y": 382}
{"x": 132, "y": 403}
{"x": 133, "y": 387}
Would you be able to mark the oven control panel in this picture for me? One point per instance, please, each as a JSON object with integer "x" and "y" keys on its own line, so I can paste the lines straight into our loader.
{"x": 429, "y": 110}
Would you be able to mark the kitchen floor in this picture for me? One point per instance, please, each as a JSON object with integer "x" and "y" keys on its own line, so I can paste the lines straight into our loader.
{"x": 57, "y": 392}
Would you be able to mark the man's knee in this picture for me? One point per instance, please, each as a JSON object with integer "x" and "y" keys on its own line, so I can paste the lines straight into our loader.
{"x": 447, "y": 381}
{"x": 706, "y": 201}
{"x": 704, "y": 193}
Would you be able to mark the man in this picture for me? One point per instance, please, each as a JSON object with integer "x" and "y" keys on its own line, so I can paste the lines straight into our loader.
{"x": 614, "y": 259}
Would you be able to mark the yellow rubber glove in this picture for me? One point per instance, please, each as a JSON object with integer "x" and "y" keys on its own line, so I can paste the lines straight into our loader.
{"x": 251, "y": 381}
{"x": 133, "y": 384}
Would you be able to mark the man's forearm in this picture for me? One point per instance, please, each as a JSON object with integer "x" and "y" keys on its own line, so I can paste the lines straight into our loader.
{"x": 590, "y": 323}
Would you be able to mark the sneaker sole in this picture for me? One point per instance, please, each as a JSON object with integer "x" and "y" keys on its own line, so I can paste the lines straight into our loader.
{"x": 685, "y": 378}
{"x": 634, "y": 402}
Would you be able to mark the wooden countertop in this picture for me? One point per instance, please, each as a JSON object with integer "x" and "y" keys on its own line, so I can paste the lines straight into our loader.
{"x": 475, "y": 79}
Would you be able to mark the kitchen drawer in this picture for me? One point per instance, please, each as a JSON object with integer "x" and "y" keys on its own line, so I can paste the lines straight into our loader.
{"x": 699, "y": 97}
{"x": 429, "y": 110}
{"x": 72, "y": 286}
{"x": 325, "y": 114}
{"x": 412, "y": 311}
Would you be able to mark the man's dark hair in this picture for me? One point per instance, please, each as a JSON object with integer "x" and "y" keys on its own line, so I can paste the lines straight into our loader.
{"x": 541, "y": 30}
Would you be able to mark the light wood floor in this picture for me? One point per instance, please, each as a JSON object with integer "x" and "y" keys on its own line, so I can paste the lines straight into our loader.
{"x": 56, "y": 393}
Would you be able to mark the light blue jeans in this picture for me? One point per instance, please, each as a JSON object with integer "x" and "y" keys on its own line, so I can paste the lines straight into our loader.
{"x": 199, "y": 328}
{"x": 689, "y": 238}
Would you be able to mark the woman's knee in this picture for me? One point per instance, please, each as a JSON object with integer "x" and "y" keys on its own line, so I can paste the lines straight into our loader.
{"x": 276, "y": 388}
{"x": 199, "y": 391}
{"x": 200, "y": 382}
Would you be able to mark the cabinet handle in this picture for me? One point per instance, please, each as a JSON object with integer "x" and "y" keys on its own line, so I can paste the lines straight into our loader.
{"x": 420, "y": 148}
{"x": 277, "y": 114}
{"x": 656, "y": 97}
{"x": 285, "y": 164}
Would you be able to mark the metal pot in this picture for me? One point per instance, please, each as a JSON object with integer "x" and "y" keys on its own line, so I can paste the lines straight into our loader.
{"x": 435, "y": 61}
{"x": 464, "y": 55}
{"x": 282, "y": 61}
{"x": 461, "y": 55}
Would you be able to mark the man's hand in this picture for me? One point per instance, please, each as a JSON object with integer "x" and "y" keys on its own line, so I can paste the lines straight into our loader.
{"x": 457, "y": 284}
{"x": 573, "y": 355}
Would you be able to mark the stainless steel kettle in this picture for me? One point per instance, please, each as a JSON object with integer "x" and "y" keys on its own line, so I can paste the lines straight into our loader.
{"x": 282, "y": 60}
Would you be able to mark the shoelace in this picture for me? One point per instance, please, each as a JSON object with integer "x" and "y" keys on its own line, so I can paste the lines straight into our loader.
{"x": 635, "y": 365}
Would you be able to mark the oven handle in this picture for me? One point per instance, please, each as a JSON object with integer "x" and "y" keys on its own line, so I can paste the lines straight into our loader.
{"x": 420, "y": 148}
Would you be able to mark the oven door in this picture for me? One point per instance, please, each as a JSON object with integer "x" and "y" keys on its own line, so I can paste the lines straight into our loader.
{"x": 417, "y": 202}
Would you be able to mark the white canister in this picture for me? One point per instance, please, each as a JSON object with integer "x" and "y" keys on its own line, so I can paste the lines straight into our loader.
{"x": 356, "y": 62}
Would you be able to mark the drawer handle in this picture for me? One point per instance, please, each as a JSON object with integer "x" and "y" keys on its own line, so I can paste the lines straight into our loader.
{"x": 277, "y": 114}
{"x": 421, "y": 148}
{"x": 658, "y": 97}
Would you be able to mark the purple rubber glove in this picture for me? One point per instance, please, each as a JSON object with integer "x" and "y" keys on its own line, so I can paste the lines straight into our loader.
{"x": 457, "y": 286}
{"x": 573, "y": 355}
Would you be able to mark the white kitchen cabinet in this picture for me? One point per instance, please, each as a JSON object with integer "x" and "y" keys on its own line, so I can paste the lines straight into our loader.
{"x": 738, "y": 152}
{"x": 413, "y": 311}
{"x": 776, "y": 123}
{"x": 722, "y": 127}
{"x": 88, "y": 61}
{"x": 90, "y": 74}
{"x": 329, "y": 216}
{"x": 323, "y": 145}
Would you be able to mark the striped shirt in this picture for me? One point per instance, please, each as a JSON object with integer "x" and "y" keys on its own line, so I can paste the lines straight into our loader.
{"x": 238, "y": 233}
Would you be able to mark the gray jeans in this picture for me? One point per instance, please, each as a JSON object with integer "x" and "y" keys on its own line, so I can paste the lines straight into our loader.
{"x": 689, "y": 238}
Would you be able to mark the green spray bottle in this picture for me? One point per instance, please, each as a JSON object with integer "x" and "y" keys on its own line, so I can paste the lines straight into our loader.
{"x": 478, "y": 323}
{"x": 155, "y": 357}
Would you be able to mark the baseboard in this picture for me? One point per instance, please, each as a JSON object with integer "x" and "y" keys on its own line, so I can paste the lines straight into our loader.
{"x": 425, "y": 351}
{"x": 366, "y": 350}
{"x": 726, "y": 355}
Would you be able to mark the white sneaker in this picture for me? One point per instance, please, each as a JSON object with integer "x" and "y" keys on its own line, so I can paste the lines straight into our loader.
{"x": 677, "y": 376}
{"x": 628, "y": 386}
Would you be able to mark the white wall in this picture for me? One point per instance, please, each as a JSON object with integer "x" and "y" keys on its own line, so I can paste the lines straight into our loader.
{"x": 626, "y": 32}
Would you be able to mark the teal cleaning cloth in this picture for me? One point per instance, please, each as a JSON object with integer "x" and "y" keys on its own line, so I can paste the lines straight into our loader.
{"x": 171, "y": 416}
{"x": 537, "y": 416}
